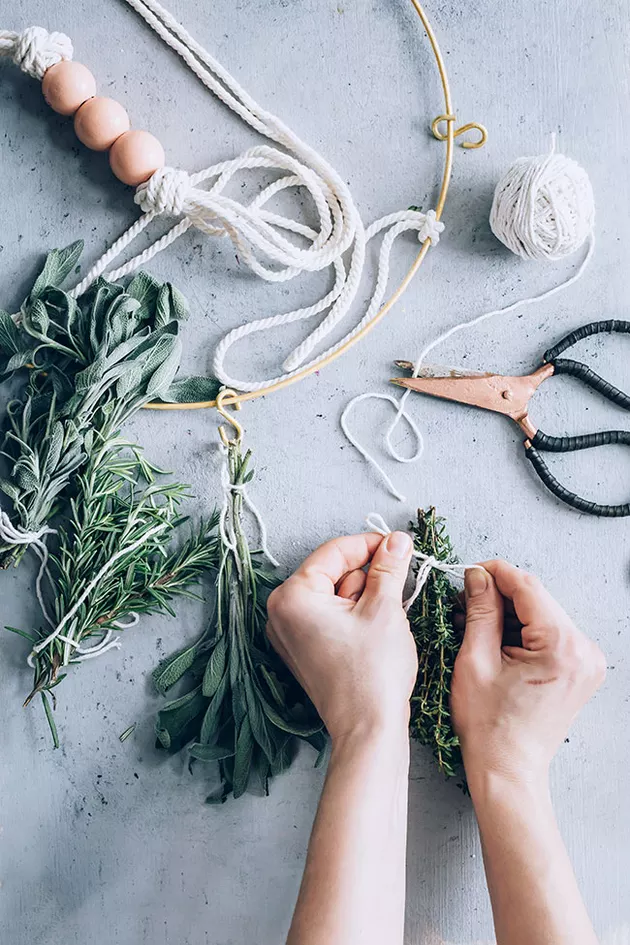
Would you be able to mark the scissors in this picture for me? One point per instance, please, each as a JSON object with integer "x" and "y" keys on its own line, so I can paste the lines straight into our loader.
{"x": 511, "y": 396}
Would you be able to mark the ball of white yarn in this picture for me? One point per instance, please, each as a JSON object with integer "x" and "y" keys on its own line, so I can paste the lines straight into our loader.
{"x": 543, "y": 207}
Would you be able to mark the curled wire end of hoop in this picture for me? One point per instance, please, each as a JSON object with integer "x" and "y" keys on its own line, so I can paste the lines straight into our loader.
{"x": 470, "y": 126}
{"x": 221, "y": 405}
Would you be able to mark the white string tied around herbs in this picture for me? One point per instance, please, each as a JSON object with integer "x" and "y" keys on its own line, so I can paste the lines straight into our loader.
{"x": 226, "y": 528}
{"x": 15, "y": 535}
{"x": 256, "y": 232}
{"x": 543, "y": 208}
{"x": 72, "y": 648}
{"x": 376, "y": 523}
{"x": 35, "y": 50}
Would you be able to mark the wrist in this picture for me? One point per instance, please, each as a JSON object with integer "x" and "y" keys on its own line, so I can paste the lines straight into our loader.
{"x": 377, "y": 735}
{"x": 490, "y": 789}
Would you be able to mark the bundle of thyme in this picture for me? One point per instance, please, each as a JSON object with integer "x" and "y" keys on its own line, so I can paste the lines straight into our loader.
{"x": 82, "y": 368}
{"x": 437, "y": 642}
{"x": 244, "y": 708}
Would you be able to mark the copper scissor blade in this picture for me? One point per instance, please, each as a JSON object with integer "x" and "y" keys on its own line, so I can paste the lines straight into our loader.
{"x": 501, "y": 393}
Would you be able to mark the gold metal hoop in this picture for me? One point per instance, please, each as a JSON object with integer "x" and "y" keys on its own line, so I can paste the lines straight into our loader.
{"x": 232, "y": 397}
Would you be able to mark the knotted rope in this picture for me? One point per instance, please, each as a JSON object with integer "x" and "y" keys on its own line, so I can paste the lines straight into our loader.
{"x": 258, "y": 234}
{"x": 35, "y": 50}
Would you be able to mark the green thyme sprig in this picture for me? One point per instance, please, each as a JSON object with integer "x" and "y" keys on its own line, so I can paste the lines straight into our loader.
{"x": 437, "y": 642}
{"x": 244, "y": 709}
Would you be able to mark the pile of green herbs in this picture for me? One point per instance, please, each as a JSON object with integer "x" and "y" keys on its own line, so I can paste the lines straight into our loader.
{"x": 78, "y": 370}
{"x": 437, "y": 642}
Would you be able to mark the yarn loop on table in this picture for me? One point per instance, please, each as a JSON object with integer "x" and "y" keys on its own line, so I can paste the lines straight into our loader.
{"x": 35, "y": 50}
{"x": 543, "y": 207}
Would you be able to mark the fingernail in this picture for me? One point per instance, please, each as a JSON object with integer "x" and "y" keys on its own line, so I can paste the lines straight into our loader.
{"x": 475, "y": 582}
{"x": 398, "y": 544}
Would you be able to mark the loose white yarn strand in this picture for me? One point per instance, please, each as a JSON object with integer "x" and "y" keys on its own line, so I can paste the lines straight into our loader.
{"x": 400, "y": 403}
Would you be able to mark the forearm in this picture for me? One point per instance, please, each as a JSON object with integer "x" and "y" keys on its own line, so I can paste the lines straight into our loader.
{"x": 353, "y": 891}
{"x": 535, "y": 897}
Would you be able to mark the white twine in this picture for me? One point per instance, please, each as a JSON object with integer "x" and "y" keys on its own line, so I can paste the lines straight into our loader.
{"x": 257, "y": 233}
{"x": 35, "y": 50}
{"x": 552, "y": 210}
{"x": 376, "y": 523}
{"x": 107, "y": 643}
{"x": 226, "y": 527}
{"x": 12, "y": 534}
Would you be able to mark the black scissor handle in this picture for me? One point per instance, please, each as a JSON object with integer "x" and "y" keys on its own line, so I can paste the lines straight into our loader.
{"x": 567, "y": 444}
{"x": 582, "y": 371}
{"x": 560, "y": 491}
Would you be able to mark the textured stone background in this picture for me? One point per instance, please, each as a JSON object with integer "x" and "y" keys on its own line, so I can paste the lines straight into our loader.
{"x": 110, "y": 843}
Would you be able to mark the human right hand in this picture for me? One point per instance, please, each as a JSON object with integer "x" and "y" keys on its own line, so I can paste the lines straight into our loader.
{"x": 512, "y": 706}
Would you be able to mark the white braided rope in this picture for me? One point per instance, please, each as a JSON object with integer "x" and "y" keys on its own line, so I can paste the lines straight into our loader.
{"x": 256, "y": 232}
{"x": 35, "y": 50}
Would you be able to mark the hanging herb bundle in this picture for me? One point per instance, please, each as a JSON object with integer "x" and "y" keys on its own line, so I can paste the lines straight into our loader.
{"x": 437, "y": 642}
{"x": 244, "y": 708}
{"x": 85, "y": 367}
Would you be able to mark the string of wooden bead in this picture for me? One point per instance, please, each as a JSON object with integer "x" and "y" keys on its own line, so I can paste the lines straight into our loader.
{"x": 69, "y": 88}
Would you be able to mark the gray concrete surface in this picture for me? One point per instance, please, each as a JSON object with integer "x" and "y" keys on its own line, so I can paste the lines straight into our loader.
{"x": 111, "y": 844}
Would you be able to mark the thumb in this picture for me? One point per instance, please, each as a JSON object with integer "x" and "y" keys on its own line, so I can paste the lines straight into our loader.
{"x": 388, "y": 569}
{"x": 484, "y": 613}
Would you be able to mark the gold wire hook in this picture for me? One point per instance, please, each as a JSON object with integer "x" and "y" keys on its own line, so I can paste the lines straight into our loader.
{"x": 226, "y": 392}
{"x": 472, "y": 125}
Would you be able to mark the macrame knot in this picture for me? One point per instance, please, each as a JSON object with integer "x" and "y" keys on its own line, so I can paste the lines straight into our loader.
{"x": 166, "y": 191}
{"x": 430, "y": 228}
{"x": 35, "y": 50}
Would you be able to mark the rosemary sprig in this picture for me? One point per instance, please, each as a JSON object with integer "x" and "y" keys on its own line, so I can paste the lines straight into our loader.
{"x": 438, "y": 643}
{"x": 122, "y": 520}
{"x": 244, "y": 707}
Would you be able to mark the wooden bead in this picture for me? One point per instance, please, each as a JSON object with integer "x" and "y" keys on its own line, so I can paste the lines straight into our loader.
{"x": 67, "y": 85}
{"x": 99, "y": 122}
{"x": 135, "y": 156}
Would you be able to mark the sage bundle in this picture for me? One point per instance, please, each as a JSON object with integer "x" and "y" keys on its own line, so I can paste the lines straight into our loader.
{"x": 437, "y": 642}
{"x": 100, "y": 516}
{"x": 243, "y": 708}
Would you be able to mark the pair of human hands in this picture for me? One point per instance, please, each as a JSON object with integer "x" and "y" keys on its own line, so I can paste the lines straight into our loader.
{"x": 345, "y": 636}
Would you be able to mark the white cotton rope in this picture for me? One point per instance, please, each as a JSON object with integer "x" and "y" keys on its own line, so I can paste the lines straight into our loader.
{"x": 376, "y": 523}
{"x": 35, "y": 50}
{"x": 543, "y": 208}
{"x": 258, "y": 234}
